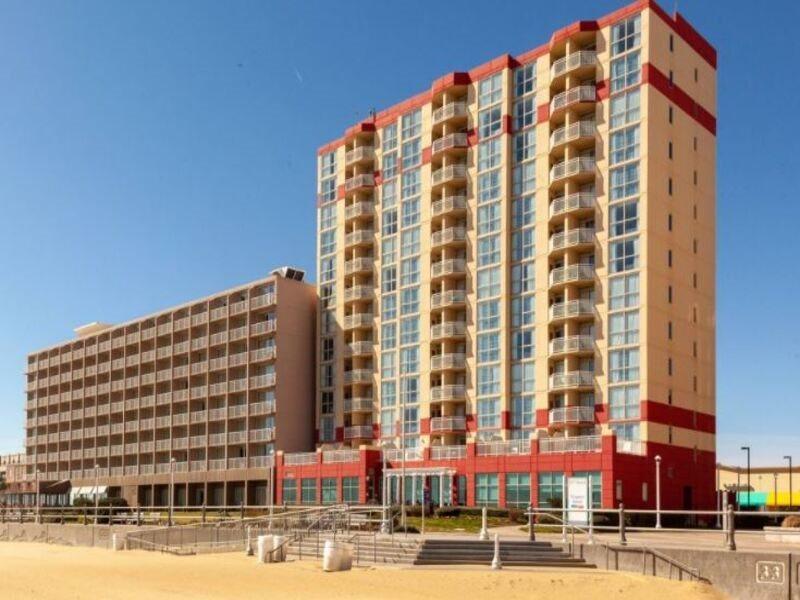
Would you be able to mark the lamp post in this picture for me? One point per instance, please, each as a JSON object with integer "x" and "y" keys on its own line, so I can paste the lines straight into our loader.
{"x": 789, "y": 458}
{"x": 96, "y": 492}
{"x": 747, "y": 449}
{"x": 403, "y": 461}
{"x": 38, "y": 503}
{"x": 385, "y": 489}
{"x": 658, "y": 492}
{"x": 775, "y": 476}
{"x": 171, "y": 487}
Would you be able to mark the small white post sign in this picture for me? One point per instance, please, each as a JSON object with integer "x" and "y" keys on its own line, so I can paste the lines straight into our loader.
{"x": 577, "y": 500}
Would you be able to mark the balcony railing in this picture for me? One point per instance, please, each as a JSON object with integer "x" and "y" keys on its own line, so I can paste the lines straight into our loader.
{"x": 448, "y": 298}
{"x": 448, "y": 452}
{"x": 294, "y": 459}
{"x": 358, "y": 292}
{"x": 358, "y": 265}
{"x": 577, "y": 201}
{"x": 448, "y": 392}
{"x": 448, "y": 173}
{"x": 451, "y": 140}
{"x": 583, "y": 443}
{"x": 443, "y": 362}
{"x": 263, "y": 354}
{"x": 571, "y": 379}
{"x": 359, "y": 236}
{"x": 358, "y": 404}
{"x": 359, "y": 348}
{"x": 571, "y": 238}
{"x": 450, "y": 110}
{"x": 362, "y": 153}
{"x": 450, "y": 266}
{"x": 262, "y": 461}
{"x": 262, "y": 381}
{"x": 359, "y": 209}
{"x": 637, "y": 447}
{"x": 357, "y": 320}
{"x": 445, "y": 424}
{"x": 572, "y": 132}
{"x": 358, "y": 432}
{"x": 582, "y": 93}
{"x": 359, "y": 181}
{"x": 573, "y": 343}
{"x": 572, "y": 273}
{"x": 396, "y": 454}
{"x": 572, "y": 167}
{"x": 570, "y": 62}
{"x": 503, "y": 448}
{"x": 448, "y": 236}
{"x": 573, "y": 308}
{"x": 448, "y": 329}
{"x": 341, "y": 456}
{"x": 358, "y": 376}
{"x": 262, "y": 435}
{"x": 571, "y": 414}
{"x": 448, "y": 204}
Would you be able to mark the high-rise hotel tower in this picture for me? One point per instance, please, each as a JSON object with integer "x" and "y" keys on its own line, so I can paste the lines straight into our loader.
{"x": 517, "y": 271}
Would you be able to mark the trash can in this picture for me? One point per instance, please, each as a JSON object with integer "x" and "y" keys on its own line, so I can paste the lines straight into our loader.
{"x": 278, "y": 542}
{"x": 336, "y": 557}
{"x": 265, "y": 546}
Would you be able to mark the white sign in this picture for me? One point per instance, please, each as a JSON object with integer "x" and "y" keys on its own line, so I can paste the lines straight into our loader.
{"x": 578, "y": 500}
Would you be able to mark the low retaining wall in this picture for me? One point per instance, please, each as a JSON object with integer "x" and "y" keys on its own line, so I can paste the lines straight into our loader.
{"x": 66, "y": 535}
{"x": 741, "y": 575}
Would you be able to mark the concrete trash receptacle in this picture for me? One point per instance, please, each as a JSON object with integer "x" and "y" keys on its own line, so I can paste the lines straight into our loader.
{"x": 264, "y": 548}
{"x": 336, "y": 557}
{"x": 118, "y": 541}
{"x": 278, "y": 542}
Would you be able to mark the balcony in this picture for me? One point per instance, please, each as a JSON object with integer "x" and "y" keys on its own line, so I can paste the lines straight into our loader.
{"x": 358, "y": 405}
{"x": 358, "y": 376}
{"x": 573, "y": 62}
{"x": 397, "y": 455}
{"x": 571, "y": 309}
{"x": 358, "y": 349}
{"x": 358, "y": 292}
{"x": 358, "y": 265}
{"x": 341, "y": 456}
{"x": 580, "y": 165}
{"x": 449, "y": 235}
{"x": 266, "y": 434}
{"x": 571, "y": 415}
{"x": 359, "y": 209}
{"x": 448, "y": 392}
{"x": 451, "y": 110}
{"x": 637, "y": 447}
{"x": 446, "y": 362}
{"x": 451, "y": 266}
{"x": 262, "y": 381}
{"x": 572, "y": 274}
{"x": 295, "y": 459}
{"x": 507, "y": 448}
{"x": 448, "y": 298}
{"x": 262, "y": 462}
{"x": 570, "y": 97}
{"x": 262, "y": 408}
{"x": 448, "y": 424}
{"x": 572, "y": 345}
{"x": 360, "y": 154}
{"x": 449, "y": 142}
{"x": 263, "y": 354}
{"x": 359, "y": 237}
{"x": 263, "y": 327}
{"x": 448, "y": 452}
{"x": 582, "y": 201}
{"x": 580, "y": 236}
{"x": 358, "y": 432}
{"x": 366, "y": 180}
{"x": 449, "y": 174}
{"x": 580, "y": 130}
{"x": 448, "y": 329}
{"x": 571, "y": 380}
{"x": 358, "y": 320}
{"x": 583, "y": 443}
{"x": 449, "y": 204}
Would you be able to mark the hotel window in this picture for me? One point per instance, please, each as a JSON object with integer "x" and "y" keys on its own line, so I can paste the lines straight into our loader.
{"x": 388, "y": 194}
{"x": 623, "y": 365}
{"x": 490, "y": 90}
{"x": 488, "y": 250}
{"x": 308, "y": 490}
{"x": 489, "y": 186}
{"x": 489, "y": 154}
{"x": 409, "y": 360}
{"x": 488, "y": 413}
{"x": 488, "y": 282}
{"x": 488, "y": 380}
{"x": 624, "y": 144}
{"x": 388, "y": 335}
{"x": 412, "y": 124}
{"x": 328, "y": 190}
{"x": 488, "y": 347}
{"x": 624, "y": 108}
{"x": 625, "y": 72}
{"x": 389, "y": 225}
{"x": 626, "y": 431}
{"x": 522, "y": 244}
{"x": 326, "y": 402}
{"x": 388, "y": 279}
{"x": 623, "y": 218}
{"x": 522, "y": 344}
{"x": 524, "y": 178}
{"x": 389, "y": 250}
{"x": 488, "y": 315}
{"x": 409, "y": 331}
{"x": 409, "y": 242}
{"x": 326, "y": 430}
{"x": 518, "y": 489}
{"x": 524, "y": 113}
{"x": 596, "y": 481}
{"x": 624, "y": 255}
{"x": 389, "y": 165}
{"x": 522, "y": 278}
{"x": 327, "y": 269}
{"x": 327, "y": 242}
{"x": 290, "y": 491}
{"x": 522, "y": 413}
{"x": 490, "y": 121}
{"x": 327, "y": 217}
{"x": 522, "y": 311}
{"x": 524, "y": 210}
{"x": 626, "y": 35}
{"x": 388, "y": 393}
{"x": 551, "y": 490}
{"x": 410, "y": 210}
{"x": 623, "y": 328}
{"x": 326, "y": 349}
{"x": 624, "y": 292}
{"x": 486, "y": 489}
{"x": 410, "y": 184}
{"x": 388, "y": 365}
{"x": 388, "y": 307}
{"x": 412, "y": 154}
{"x": 327, "y": 167}
{"x": 489, "y": 218}
{"x": 409, "y": 271}
{"x": 523, "y": 377}
{"x": 329, "y": 490}
{"x": 389, "y": 141}
{"x": 350, "y": 490}
{"x": 525, "y": 79}
{"x": 388, "y": 425}
{"x": 623, "y": 402}
{"x": 409, "y": 301}
{"x": 409, "y": 390}
{"x": 624, "y": 181}
{"x": 411, "y": 421}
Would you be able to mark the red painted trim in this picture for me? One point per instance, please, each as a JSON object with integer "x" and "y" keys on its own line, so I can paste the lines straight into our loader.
{"x": 505, "y": 419}
{"x": 661, "y": 82}
{"x": 340, "y": 434}
{"x": 472, "y": 137}
{"x": 658, "y": 412}
{"x": 508, "y": 124}
{"x": 602, "y": 89}
{"x": 472, "y": 423}
{"x": 543, "y": 113}
{"x": 426, "y": 155}
{"x": 600, "y": 413}
{"x": 425, "y": 425}
{"x": 448, "y": 81}
{"x": 542, "y": 417}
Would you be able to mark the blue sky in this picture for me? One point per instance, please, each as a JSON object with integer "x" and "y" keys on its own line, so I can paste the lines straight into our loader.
{"x": 152, "y": 152}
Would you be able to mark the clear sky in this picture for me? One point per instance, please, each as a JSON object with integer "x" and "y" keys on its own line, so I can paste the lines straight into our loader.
{"x": 152, "y": 152}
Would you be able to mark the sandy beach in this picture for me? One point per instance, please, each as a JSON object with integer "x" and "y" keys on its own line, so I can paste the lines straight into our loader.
{"x": 39, "y": 571}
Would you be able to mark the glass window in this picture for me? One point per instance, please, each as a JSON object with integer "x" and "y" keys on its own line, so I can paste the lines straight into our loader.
{"x": 308, "y": 486}
{"x": 488, "y": 282}
{"x": 389, "y": 194}
{"x": 596, "y": 479}
{"x": 522, "y": 244}
{"x": 410, "y": 211}
{"x": 388, "y": 365}
{"x": 518, "y": 489}
{"x": 522, "y": 344}
{"x": 389, "y": 250}
{"x": 409, "y": 330}
{"x": 489, "y": 154}
{"x": 326, "y": 431}
{"x": 488, "y": 347}
{"x": 388, "y": 393}
{"x": 624, "y": 108}
{"x": 409, "y": 242}
{"x": 329, "y": 490}
{"x": 524, "y": 210}
{"x": 389, "y": 165}
{"x": 490, "y": 90}
{"x": 488, "y": 413}
{"x": 290, "y": 491}
{"x": 388, "y": 422}
{"x": 388, "y": 307}
{"x": 624, "y": 291}
{"x": 624, "y": 144}
{"x": 525, "y": 145}
{"x": 410, "y": 183}
{"x": 625, "y": 181}
{"x": 623, "y": 328}
{"x": 625, "y": 72}
{"x": 623, "y": 365}
{"x": 490, "y": 122}
{"x": 522, "y": 278}
{"x": 409, "y": 360}
{"x": 524, "y": 113}
{"x": 411, "y": 421}
{"x": 327, "y": 242}
{"x": 388, "y": 335}
{"x": 327, "y": 164}
{"x": 389, "y": 222}
{"x": 412, "y": 153}
{"x": 525, "y": 79}
{"x": 489, "y": 186}
{"x": 626, "y": 35}
{"x": 327, "y": 269}
{"x": 624, "y": 402}
{"x": 409, "y": 301}
{"x": 489, "y": 218}
{"x": 488, "y": 315}
{"x": 488, "y": 250}
{"x": 388, "y": 279}
{"x": 350, "y": 490}
{"x": 389, "y": 137}
{"x": 486, "y": 490}
{"x": 623, "y": 218}
{"x": 626, "y": 431}
{"x": 412, "y": 124}
{"x": 522, "y": 311}
{"x": 488, "y": 380}
{"x": 327, "y": 217}
{"x": 551, "y": 490}
{"x": 409, "y": 271}
{"x": 524, "y": 178}
{"x": 328, "y": 190}
{"x": 623, "y": 255}
{"x": 522, "y": 412}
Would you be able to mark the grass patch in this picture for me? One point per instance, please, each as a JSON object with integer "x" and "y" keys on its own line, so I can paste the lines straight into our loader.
{"x": 461, "y": 523}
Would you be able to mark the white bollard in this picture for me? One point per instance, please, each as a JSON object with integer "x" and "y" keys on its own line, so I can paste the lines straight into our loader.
{"x": 496, "y": 563}
{"x": 484, "y": 534}
{"x": 264, "y": 547}
{"x": 278, "y": 542}
{"x": 117, "y": 541}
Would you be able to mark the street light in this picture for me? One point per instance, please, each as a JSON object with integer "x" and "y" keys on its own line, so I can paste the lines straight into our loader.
{"x": 385, "y": 488}
{"x": 96, "y": 490}
{"x": 789, "y": 458}
{"x": 171, "y": 487}
{"x": 747, "y": 449}
{"x": 658, "y": 492}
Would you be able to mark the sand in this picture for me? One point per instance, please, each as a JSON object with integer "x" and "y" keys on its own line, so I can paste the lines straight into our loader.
{"x": 34, "y": 571}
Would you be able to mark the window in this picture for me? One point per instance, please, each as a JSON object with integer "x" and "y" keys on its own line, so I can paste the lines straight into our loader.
{"x": 389, "y": 137}
{"x": 388, "y": 365}
{"x": 488, "y": 250}
{"x": 410, "y": 210}
{"x": 624, "y": 181}
{"x": 488, "y": 380}
{"x": 525, "y": 79}
{"x": 326, "y": 402}
{"x": 290, "y": 491}
{"x": 389, "y": 165}
{"x": 327, "y": 217}
{"x": 327, "y": 165}
{"x": 411, "y": 421}
{"x": 518, "y": 489}
{"x": 488, "y": 413}
{"x": 524, "y": 210}
{"x": 490, "y": 90}
{"x": 409, "y": 242}
{"x": 522, "y": 377}
{"x": 327, "y": 242}
{"x": 624, "y": 292}
{"x": 350, "y": 490}
{"x": 326, "y": 375}
{"x": 489, "y": 186}
{"x": 624, "y": 255}
{"x": 412, "y": 153}
{"x": 626, "y": 35}
{"x": 389, "y": 250}
{"x": 596, "y": 480}
{"x": 522, "y": 344}
{"x": 624, "y": 144}
{"x": 522, "y": 413}
{"x": 624, "y": 402}
{"x": 308, "y": 490}
{"x": 489, "y": 122}
{"x": 489, "y": 218}
{"x": 326, "y": 349}
{"x": 409, "y": 330}
{"x": 623, "y": 365}
{"x": 409, "y": 301}
{"x": 551, "y": 490}
{"x": 488, "y": 282}
{"x": 327, "y": 269}
{"x": 388, "y": 428}
{"x": 388, "y": 393}
{"x": 524, "y": 180}
{"x": 412, "y": 124}
{"x": 388, "y": 335}
{"x": 626, "y": 431}
{"x": 410, "y": 184}
{"x": 488, "y": 347}
{"x": 329, "y": 490}
{"x": 328, "y": 190}
{"x": 389, "y": 194}
{"x": 525, "y": 145}
{"x": 409, "y": 360}
{"x": 488, "y": 315}
{"x": 625, "y": 72}
{"x": 486, "y": 489}
{"x": 623, "y": 328}
{"x": 489, "y": 154}
{"x": 524, "y": 113}
{"x": 409, "y": 390}
{"x": 409, "y": 271}
{"x": 623, "y": 218}
{"x": 326, "y": 429}
{"x": 388, "y": 279}
{"x": 522, "y": 278}
{"x": 389, "y": 223}
{"x": 522, "y": 311}
{"x": 624, "y": 108}
{"x": 388, "y": 307}
{"x": 522, "y": 244}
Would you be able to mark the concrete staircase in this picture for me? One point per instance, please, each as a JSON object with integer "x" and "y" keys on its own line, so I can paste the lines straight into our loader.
{"x": 366, "y": 548}
{"x": 512, "y": 554}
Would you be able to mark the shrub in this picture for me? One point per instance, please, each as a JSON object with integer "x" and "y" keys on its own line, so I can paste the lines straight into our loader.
{"x": 791, "y": 521}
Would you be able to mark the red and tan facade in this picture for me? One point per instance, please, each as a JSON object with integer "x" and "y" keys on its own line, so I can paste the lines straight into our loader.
{"x": 517, "y": 278}
{"x": 207, "y": 391}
